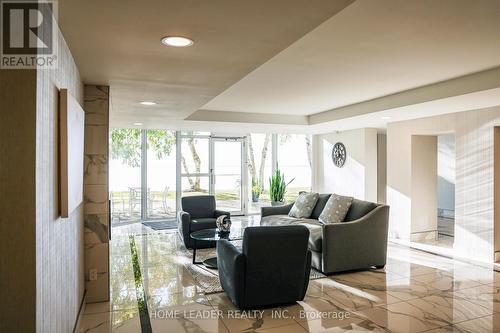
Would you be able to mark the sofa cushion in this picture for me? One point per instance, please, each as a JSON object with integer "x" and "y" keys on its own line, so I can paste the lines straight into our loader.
{"x": 304, "y": 205}
{"x": 315, "y": 233}
{"x": 311, "y": 221}
{"x": 314, "y": 226}
{"x": 320, "y": 205}
{"x": 202, "y": 223}
{"x": 278, "y": 220}
{"x": 358, "y": 209}
{"x": 336, "y": 209}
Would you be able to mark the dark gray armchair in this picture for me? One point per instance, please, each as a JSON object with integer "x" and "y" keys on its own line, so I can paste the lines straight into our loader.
{"x": 198, "y": 213}
{"x": 271, "y": 269}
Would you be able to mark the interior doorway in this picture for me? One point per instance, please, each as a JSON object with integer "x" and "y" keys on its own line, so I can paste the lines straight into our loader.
{"x": 446, "y": 158}
{"x": 433, "y": 190}
{"x": 446, "y": 186}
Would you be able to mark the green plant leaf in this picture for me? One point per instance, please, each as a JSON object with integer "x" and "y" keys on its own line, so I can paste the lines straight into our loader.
{"x": 277, "y": 186}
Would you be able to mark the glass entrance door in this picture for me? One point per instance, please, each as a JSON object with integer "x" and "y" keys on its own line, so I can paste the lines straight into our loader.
{"x": 195, "y": 165}
{"x": 227, "y": 181}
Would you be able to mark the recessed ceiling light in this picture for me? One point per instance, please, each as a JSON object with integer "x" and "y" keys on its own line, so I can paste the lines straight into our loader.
{"x": 385, "y": 117}
{"x": 137, "y": 124}
{"x": 177, "y": 41}
{"x": 148, "y": 103}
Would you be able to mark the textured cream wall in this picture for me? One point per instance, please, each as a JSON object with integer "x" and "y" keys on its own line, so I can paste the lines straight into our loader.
{"x": 496, "y": 192}
{"x": 59, "y": 242}
{"x": 474, "y": 177}
{"x": 382, "y": 167}
{"x": 424, "y": 184}
{"x": 371, "y": 164}
{"x": 358, "y": 176}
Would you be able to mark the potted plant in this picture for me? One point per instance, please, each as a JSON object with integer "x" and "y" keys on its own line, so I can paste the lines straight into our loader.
{"x": 256, "y": 190}
{"x": 277, "y": 188}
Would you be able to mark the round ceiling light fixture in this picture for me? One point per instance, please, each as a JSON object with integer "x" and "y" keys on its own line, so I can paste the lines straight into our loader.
{"x": 137, "y": 124}
{"x": 148, "y": 103}
{"x": 177, "y": 41}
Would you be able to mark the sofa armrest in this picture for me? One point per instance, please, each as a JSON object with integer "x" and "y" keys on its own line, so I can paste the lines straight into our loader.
{"x": 221, "y": 212}
{"x": 357, "y": 243}
{"x": 276, "y": 210}
{"x": 183, "y": 226}
{"x": 231, "y": 265}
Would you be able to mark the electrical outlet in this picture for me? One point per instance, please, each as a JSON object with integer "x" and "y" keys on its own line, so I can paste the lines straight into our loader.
{"x": 93, "y": 275}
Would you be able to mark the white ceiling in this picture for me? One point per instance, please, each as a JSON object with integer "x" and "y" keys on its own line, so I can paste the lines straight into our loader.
{"x": 253, "y": 62}
{"x": 368, "y": 50}
{"x": 379, "y": 119}
{"x": 117, "y": 43}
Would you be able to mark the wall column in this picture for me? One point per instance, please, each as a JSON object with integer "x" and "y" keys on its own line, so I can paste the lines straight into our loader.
{"x": 423, "y": 187}
{"x": 96, "y": 210}
{"x": 496, "y": 192}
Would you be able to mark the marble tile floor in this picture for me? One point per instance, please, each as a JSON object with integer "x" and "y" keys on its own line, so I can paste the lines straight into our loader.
{"x": 415, "y": 292}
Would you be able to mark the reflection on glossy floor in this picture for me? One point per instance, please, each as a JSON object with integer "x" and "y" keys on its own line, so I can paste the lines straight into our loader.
{"x": 415, "y": 292}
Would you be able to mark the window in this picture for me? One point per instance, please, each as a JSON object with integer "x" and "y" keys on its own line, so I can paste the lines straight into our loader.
{"x": 142, "y": 174}
{"x": 295, "y": 161}
{"x": 125, "y": 175}
{"x": 195, "y": 165}
{"x": 150, "y": 170}
{"x": 260, "y": 162}
{"x": 161, "y": 174}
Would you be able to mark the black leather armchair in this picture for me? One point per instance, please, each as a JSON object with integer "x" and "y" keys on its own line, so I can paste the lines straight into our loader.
{"x": 198, "y": 213}
{"x": 271, "y": 269}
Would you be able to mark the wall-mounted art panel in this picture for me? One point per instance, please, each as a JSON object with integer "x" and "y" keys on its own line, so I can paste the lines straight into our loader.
{"x": 71, "y": 141}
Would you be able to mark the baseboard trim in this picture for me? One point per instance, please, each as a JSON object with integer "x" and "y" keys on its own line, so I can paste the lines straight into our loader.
{"x": 423, "y": 236}
{"x": 76, "y": 328}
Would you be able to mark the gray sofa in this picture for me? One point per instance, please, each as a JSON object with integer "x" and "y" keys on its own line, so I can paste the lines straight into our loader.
{"x": 357, "y": 243}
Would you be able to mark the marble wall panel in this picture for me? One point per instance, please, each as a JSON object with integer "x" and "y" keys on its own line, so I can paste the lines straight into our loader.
{"x": 96, "y": 205}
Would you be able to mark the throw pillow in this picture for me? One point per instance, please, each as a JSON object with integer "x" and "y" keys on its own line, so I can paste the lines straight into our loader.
{"x": 304, "y": 205}
{"x": 336, "y": 209}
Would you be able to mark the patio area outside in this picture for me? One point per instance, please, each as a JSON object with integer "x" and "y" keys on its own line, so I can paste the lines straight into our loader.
{"x": 126, "y": 205}
{"x": 146, "y": 160}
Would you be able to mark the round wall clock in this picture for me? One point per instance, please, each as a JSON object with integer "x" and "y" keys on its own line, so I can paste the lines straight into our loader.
{"x": 339, "y": 154}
